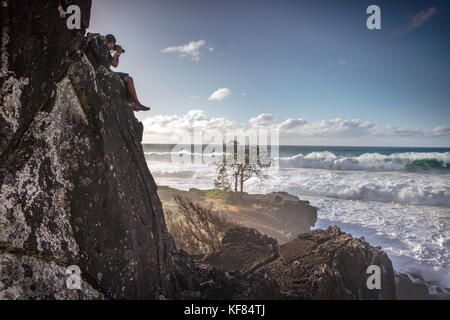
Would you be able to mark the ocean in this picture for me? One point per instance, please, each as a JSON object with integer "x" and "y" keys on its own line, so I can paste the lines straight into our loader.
{"x": 397, "y": 198}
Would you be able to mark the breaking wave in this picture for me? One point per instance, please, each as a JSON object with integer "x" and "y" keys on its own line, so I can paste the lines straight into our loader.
{"x": 410, "y": 161}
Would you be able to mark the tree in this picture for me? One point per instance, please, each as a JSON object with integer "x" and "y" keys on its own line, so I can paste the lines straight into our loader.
{"x": 241, "y": 170}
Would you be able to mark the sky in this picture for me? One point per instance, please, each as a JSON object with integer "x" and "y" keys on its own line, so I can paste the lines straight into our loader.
{"x": 310, "y": 69}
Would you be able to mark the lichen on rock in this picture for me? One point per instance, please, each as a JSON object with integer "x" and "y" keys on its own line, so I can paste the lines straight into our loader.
{"x": 29, "y": 278}
{"x": 58, "y": 195}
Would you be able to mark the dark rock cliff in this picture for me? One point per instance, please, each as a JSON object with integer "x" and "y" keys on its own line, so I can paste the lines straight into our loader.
{"x": 74, "y": 181}
{"x": 36, "y": 50}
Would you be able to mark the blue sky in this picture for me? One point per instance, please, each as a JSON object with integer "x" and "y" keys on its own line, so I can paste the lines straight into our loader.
{"x": 310, "y": 62}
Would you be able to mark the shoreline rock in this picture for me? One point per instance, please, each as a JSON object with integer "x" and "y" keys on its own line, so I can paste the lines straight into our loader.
{"x": 322, "y": 264}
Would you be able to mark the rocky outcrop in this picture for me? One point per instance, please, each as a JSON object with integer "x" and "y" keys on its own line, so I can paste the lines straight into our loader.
{"x": 295, "y": 216}
{"x": 73, "y": 178}
{"x": 322, "y": 264}
{"x": 278, "y": 214}
{"x": 201, "y": 281}
{"x": 244, "y": 250}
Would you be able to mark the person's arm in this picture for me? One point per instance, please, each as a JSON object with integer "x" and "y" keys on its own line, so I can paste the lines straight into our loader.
{"x": 115, "y": 62}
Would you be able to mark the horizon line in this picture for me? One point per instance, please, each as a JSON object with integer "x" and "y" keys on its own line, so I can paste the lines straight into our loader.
{"x": 312, "y": 145}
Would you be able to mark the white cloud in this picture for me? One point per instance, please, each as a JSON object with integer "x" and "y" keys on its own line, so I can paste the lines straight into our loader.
{"x": 291, "y": 124}
{"x": 191, "y": 49}
{"x": 342, "y": 62}
{"x": 441, "y": 131}
{"x": 196, "y": 115}
{"x": 193, "y": 119}
{"x": 420, "y": 18}
{"x": 335, "y": 127}
{"x": 290, "y": 129}
{"x": 261, "y": 119}
{"x": 390, "y": 131}
{"x": 244, "y": 94}
{"x": 220, "y": 94}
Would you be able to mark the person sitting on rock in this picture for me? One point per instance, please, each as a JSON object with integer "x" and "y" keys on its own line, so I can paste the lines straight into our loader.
{"x": 135, "y": 104}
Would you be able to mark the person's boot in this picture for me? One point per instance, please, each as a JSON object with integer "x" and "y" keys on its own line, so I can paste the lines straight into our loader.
{"x": 143, "y": 108}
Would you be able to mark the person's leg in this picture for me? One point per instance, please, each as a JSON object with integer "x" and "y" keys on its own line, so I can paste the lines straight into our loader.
{"x": 132, "y": 91}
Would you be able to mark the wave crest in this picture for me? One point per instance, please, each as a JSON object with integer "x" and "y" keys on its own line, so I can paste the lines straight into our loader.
{"x": 410, "y": 161}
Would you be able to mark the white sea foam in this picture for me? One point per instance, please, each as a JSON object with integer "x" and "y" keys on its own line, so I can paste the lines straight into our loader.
{"x": 407, "y": 161}
{"x": 401, "y": 187}
{"x": 416, "y": 238}
{"x": 367, "y": 161}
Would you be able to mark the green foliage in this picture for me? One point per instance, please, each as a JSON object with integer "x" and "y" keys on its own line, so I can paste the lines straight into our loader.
{"x": 224, "y": 196}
